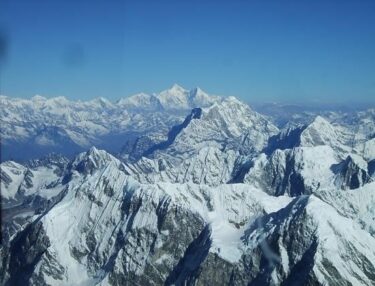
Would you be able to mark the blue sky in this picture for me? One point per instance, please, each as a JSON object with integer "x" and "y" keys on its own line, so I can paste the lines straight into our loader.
{"x": 286, "y": 51}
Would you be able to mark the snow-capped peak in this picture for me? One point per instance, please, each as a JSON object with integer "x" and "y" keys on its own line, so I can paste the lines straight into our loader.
{"x": 177, "y": 88}
{"x": 38, "y": 97}
{"x": 101, "y": 102}
{"x": 230, "y": 110}
{"x": 227, "y": 124}
{"x": 319, "y": 132}
{"x": 59, "y": 100}
{"x": 135, "y": 98}
{"x": 140, "y": 101}
{"x": 93, "y": 159}
{"x": 199, "y": 98}
{"x": 320, "y": 122}
{"x": 174, "y": 98}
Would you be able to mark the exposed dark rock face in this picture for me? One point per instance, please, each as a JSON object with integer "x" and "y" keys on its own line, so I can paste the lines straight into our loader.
{"x": 285, "y": 140}
{"x": 282, "y": 173}
{"x": 175, "y": 130}
{"x": 24, "y": 253}
{"x": 352, "y": 173}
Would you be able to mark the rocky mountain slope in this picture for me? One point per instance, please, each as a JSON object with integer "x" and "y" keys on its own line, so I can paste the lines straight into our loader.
{"x": 222, "y": 197}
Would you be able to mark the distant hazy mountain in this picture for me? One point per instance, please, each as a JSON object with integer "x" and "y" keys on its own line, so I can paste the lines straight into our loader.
{"x": 32, "y": 128}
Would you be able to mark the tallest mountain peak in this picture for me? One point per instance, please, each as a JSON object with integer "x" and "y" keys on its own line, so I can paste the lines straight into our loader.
{"x": 176, "y": 87}
{"x": 179, "y": 98}
{"x": 38, "y": 97}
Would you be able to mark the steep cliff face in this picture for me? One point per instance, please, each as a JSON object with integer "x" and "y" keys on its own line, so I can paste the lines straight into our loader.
{"x": 319, "y": 132}
{"x": 352, "y": 173}
{"x": 301, "y": 170}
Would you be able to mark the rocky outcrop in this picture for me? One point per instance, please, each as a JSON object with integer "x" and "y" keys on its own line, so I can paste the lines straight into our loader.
{"x": 352, "y": 173}
{"x": 297, "y": 171}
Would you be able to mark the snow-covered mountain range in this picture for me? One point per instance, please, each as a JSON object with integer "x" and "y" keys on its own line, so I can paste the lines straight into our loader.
{"x": 40, "y": 125}
{"x": 205, "y": 191}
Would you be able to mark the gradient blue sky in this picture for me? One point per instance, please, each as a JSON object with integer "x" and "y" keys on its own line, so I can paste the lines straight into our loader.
{"x": 288, "y": 51}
